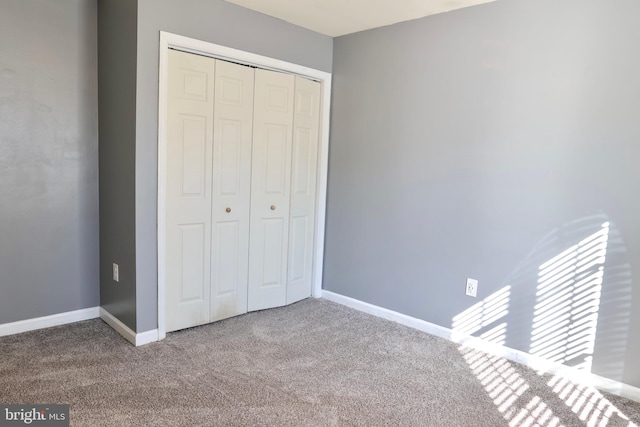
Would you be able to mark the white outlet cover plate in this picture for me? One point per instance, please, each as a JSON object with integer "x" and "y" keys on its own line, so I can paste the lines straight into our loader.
{"x": 472, "y": 287}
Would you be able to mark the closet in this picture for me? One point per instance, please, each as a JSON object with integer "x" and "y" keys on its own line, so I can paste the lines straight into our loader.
{"x": 242, "y": 148}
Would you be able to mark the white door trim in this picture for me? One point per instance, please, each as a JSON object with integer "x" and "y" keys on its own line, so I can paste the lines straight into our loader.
{"x": 186, "y": 44}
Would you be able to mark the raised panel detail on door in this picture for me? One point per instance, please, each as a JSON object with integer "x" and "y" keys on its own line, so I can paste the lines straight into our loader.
{"x": 299, "y": 247}
{"x": 230, "y": 173}
{"x": 227, "y": 245}
{"x": 277, "y": 141}
{"x": 233, "y": 129}
{"x": 195, "y": 85}
{"x": 306, "y": 124}
{"x": 194, "y": 150}
{"x": 192, "y": 284}
{"x": 188, "y": 190}
{"x": 277, "y": 98}
{"x": 271, "y": 233}
{"x": 302, "y": 161}
{"x": 270, "y": 189}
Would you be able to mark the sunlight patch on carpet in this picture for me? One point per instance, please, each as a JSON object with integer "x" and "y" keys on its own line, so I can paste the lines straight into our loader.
{"x": 512, "y": 397}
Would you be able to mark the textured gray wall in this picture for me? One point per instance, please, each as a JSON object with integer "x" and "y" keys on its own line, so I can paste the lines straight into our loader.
{"x": 48, "y": 158}
{"x": 481, "y": 143}
{"x": 117, "y": 58}
{"x": 214, "y": 21}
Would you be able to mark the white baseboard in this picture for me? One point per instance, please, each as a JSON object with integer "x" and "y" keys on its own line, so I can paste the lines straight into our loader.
{"x": 131, "y": 336}
{"x": 48, "y": 321}
{"x": 146, "y": 337}
{"x": 535, "y": 362}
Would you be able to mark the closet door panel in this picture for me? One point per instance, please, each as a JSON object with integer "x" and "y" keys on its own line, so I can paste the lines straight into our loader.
{"x": 306, "y": 127}
{"x": 189, "y": 168}
{"x": 270, "y": 189}
{"x": 233, "y": 129}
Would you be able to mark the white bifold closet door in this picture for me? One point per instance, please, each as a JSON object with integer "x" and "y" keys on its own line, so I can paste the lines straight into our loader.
{"x": 232, "y": 129}
{"x": 270, "y": 188}
{"x": 283, "y": 189}
{"x": 188, "y": 189}
{"x": 304, "y": 168}
{"x": 241, "y": 187}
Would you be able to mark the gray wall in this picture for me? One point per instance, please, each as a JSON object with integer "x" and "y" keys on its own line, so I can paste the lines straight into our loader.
{"x": 48, "y": 158}
{"x": 214, "y": 21}
{"x": 117, "y": 62}
{"x": 480, "y": 143}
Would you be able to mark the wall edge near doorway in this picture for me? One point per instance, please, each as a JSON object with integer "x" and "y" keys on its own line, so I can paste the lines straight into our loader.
{"x": 134, "y": 338}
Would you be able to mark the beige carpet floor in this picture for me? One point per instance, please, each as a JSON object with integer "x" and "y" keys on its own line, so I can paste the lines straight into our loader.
{"x": 314, "y": 363}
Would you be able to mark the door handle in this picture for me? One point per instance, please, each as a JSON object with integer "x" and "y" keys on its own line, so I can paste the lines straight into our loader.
{"x": 273, "y": 207}
{"x": 228, "y": 210}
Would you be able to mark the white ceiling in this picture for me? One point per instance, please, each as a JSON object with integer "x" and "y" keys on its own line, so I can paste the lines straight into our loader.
{"x": 339, "y": 17}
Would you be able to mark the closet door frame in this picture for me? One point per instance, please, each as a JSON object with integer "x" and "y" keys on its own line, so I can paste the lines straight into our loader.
{"x": 187, "y": 44}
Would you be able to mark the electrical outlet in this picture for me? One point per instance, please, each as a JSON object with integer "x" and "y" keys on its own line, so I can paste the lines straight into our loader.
{"x": 116, "y": 273}
{"x": 472, "y": 287}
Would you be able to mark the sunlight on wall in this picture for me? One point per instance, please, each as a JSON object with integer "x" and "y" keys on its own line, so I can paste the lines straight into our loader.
{"x": 568, "y": 301}
{"x": 565, "y": 320}
{"x": 513, "y": 398}
{"x": 482, "y": 315}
